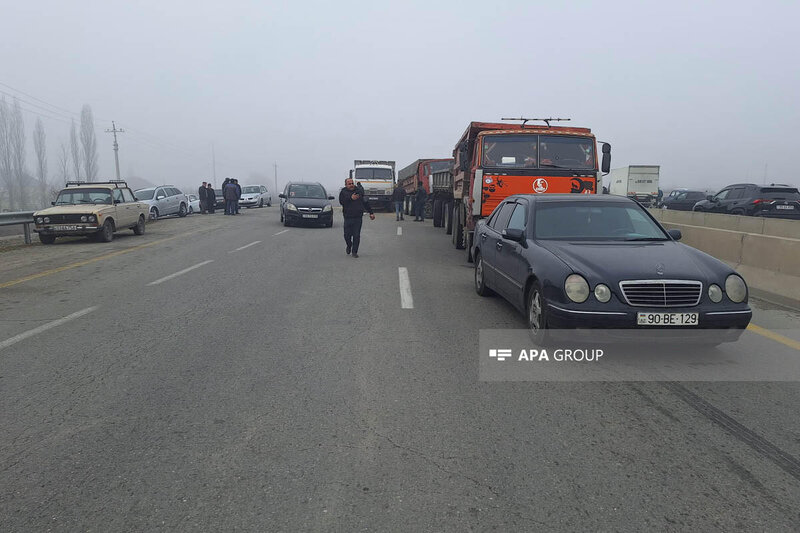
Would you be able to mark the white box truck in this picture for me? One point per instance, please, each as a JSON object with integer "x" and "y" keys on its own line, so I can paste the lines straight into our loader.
{"x": 639, "y": 182}
{"x": 377, "y": 178}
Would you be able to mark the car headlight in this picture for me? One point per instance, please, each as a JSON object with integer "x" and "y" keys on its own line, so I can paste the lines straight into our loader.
{"x": 84, "y": 218}
{"x": 92, "y": 218}
{"x": 602, "y": 293}
{"x": 326, "y": 208}
{"x": 39, "y": 220}
{"x": 46, "y": 220}
{"x": 715, "y": 293}
{"x": 577, "y": 288}
{"x": 735, "y": 288}
{"x": 291, "y": 207}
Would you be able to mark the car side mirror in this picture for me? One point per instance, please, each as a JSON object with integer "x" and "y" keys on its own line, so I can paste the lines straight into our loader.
{"x": 605, "y": 165}
{"x": 52, "y": 203}
{"x": 514, "y": 234}
{"x": 281, "y": 195}
{"x": 675, "y": 234}
{"x": 160, "y": 197}
{"x": 709, "y": 198}
{"x": 116, "y": 202}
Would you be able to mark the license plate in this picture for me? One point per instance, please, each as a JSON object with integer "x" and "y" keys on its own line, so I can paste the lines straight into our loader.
{"x": 309, "y": 216}
{"x": 667, "y": 319}
{"x": 63, "y": 227}
{"x": 784, "y": 207}
{"x": 372, "y": 198}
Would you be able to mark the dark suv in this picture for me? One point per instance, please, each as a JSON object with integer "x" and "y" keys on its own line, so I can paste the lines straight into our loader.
{"x": 682, "y": 199}
{"x": 775, "y": 201}
{"x": 304, "y": 202}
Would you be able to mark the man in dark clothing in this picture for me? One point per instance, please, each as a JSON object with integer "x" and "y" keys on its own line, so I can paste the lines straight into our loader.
{"x": 202, "y": 194}
{"x": 211, "y": 199}
{"x": 230, "y": 194}
{"x": 238, "y": 196}
{"x": 399, "y": 197}
{"x": 419, "y": 203}
{"x": 353, "y": 207}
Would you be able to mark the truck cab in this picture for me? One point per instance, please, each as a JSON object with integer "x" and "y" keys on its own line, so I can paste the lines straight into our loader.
{"x": 377, "y": 179}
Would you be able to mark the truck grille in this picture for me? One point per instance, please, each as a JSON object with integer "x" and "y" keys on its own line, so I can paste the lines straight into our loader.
{"x": 662, "y": 293}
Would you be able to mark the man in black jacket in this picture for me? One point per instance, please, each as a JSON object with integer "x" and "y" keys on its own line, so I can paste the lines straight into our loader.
{"x": 211, "y": 199}
{"x": 353, "y": 207}
{"x": 202, "y": 194}
{"x": 399, "y": 197}
{"x": 419, "y": 202}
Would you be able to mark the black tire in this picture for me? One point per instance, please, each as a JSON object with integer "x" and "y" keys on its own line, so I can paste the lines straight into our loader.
{"x": 269, "y": 204}
{"x": 106, "y": 233}
{"x": 437, "y": 213}
{"x": 480, "y": 284}
{"x": 182, "y": 210}
{"x": 458, "y": 227}
{"x": 468, "y": 244}
{"x": 191, "y": 210}
{"x": 536, "y": 314}
{"x": 138, "y": 229}
{"x": 449, "y": 214}
{"x": 286, "y": 222}
{"x": 153, "y": 214}
{"x": 47, "y": 239}
{"x": 261, "y": 202}
{"x": 329, "y": 224}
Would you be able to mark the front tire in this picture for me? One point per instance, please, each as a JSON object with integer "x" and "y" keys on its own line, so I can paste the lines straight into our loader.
{"x": 537, "y": 315}
{"x": 106, "y": 233}
{"x": 153, "y": 214}
{"x": 437, "y": 213}
{"x": 138, "y": 229}
{"x": 182, "y": 210}
{"x": 261, "y": 203}
{"x": 480, "y": 282}
{"x": 47, "y": 239}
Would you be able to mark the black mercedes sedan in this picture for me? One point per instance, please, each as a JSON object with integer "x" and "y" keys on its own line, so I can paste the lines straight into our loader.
{"x": 603, "y": 261}
{"x": 306, "y": 203}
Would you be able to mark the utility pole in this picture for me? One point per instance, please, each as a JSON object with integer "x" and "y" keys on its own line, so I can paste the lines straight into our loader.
{"x": 114, "y": 130}
{"x": 213, "y": 166}
{"x": 275, "y": 165}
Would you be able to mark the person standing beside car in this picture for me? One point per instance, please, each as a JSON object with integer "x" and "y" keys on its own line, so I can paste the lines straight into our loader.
{"x": 399, "y": 197}
{"x": 353, "y": 207}
{"x": 202, "y": 194}
{"x": 238, "y": 196}
{"x": 211, "y": 199}
{"x": 230, "y": 195}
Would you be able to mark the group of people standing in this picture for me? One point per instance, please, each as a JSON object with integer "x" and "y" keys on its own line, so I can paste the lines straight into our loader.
{"x": 231, "y": 193}
{"x": 418, "y": 207}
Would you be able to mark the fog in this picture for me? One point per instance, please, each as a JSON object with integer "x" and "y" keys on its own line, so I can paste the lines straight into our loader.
{"x": 709, "y": 92}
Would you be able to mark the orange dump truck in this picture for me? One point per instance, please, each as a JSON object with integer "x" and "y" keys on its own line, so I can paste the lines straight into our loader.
{"x": 496, "y": 160}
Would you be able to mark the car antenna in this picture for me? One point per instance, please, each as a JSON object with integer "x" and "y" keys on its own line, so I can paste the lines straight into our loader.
{"x": 545, "y": 120}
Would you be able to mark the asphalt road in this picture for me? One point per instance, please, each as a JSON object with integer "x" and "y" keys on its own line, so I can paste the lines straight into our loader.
{"x": 222, "y": 373}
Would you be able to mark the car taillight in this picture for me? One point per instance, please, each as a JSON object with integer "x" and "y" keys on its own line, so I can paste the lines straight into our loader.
{"x": 760, "y": 200}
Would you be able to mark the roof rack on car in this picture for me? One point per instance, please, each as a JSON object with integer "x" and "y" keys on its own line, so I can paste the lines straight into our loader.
{"x": 118, "y": 183}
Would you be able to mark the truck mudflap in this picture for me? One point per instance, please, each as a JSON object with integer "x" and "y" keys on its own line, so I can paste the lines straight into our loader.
{"x": 495, "y": 188}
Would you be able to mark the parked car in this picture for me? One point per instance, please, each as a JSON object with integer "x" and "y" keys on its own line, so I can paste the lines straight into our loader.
{"x": 164, "y": 200}
{"x": 255, "y": 196}
{"x": 682, "y": 199}
{"x": 774, "y": 201}
{"x": 305, "y": 202}
{"x": 96, "y": 209}
{"x": 220, "y": 199}
{"x": 194, "y": 203}
{"x": 603, "y": 262}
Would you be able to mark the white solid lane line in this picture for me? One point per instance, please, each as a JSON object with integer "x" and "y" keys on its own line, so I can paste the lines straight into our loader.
{"x": 406, "y": 300}
{"x": 284, "y": 231}
{"x": 399, "y": 230}
{"x": 176, "y": 274}
{"x": 245, "y": 246}
{"x": 45, "y": 327}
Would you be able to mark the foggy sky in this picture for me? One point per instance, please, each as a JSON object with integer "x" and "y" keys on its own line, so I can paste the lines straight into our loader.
{"x": 709, "y": 91}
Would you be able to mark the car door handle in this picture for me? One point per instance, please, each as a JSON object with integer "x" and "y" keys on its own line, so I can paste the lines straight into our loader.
{"x": 483, "y": 236}
{"x": 499, "y": 245}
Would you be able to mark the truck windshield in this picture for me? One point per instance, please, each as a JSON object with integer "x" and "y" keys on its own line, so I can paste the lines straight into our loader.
{"x": 538, "y": 151}
{"x": 373, "y": 174}
{"x": 84, "y": 196}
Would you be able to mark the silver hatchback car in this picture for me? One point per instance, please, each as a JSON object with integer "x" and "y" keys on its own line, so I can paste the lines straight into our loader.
{"x": 255, "y": 196}
{"x": 164, "y": 200}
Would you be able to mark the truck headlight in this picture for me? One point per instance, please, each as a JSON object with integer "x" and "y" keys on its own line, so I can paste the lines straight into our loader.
{"x": 735, "y": 288}
{"x": 291, "y": 207}
{"x": 577, "y": 288}
{"x": 326, "y": 208}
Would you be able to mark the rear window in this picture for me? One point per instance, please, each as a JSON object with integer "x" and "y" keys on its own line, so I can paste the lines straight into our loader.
{"x": 779, "y": 193}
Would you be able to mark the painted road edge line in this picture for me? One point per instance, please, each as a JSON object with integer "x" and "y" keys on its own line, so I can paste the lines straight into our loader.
{"x": 284, "y": 231}
{"x": 406, "y": 299}
{"x": 399, "y": 230}
{"x": 44, "y": 327}
{"x": 180, "y": 273}
{"x": 245, "y": 246}
{"x": 777, "y": 337}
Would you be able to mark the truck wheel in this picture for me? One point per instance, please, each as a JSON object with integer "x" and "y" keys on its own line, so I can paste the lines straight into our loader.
{"x": 437, "y": 213}
{"x": 47, "y": 239}
{"x": 448, "y": 211}
{"x": 468, "y": 244}
{"x": 458, "y": 227}
{"x": 138, "y": 229}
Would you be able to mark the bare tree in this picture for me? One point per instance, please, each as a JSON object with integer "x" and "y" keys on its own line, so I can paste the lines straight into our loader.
{"x": 89, "y": 143}
{"x": 17, "y": 143}
{"x": 40, "y": 148}
{"x": 63, "y": 165}
{"x": 6, "y": 173}
{"x": 76, "y": 152}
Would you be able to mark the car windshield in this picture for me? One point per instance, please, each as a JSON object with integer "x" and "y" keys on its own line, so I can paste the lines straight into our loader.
{"x": 144, "y": 194}
{"x": 83, "y": 196}
{"x": 538, "y": 151}
{"x": 590, "y": 221}
{"x": 373, "y": 174}
{"x": 306, "y": 191}
{"x": 251, "y": 189}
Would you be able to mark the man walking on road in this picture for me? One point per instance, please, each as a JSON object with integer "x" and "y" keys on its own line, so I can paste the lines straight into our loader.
{"x": 202, "y": 194}
{"x": 230, "y": 194}
{"x": 211, "y": 199}
{"x": 399, "y": 197}
{"x": 353, "y": 207}
{"x": 419, "y": 203}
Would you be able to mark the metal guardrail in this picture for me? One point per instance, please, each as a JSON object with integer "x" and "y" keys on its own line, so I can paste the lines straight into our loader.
{"x": 25, "y": 218}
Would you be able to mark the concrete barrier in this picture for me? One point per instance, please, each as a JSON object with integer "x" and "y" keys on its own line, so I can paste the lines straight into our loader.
{"x": 764, "y": 226}
{"x": 770, "y": 264}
